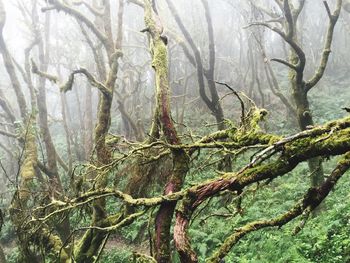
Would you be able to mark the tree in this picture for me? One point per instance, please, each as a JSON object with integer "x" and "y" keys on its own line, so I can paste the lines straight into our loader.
{"x": 212, "y": 102}
{"x": 297, "y": 62}
{"x": 108, "y": 192}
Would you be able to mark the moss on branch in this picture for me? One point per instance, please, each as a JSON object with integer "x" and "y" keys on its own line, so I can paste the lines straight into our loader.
{"x": 311, "y": 200}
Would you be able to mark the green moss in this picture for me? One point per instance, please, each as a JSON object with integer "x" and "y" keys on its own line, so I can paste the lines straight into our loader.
{"x": 112, "y": 139}
{"x": 28, "y": 169}
{"x": 160, "y": 57}
{"x": 68, "y": 85}
{"x": 250, "y": 132}
{"x": 54, "y": 244}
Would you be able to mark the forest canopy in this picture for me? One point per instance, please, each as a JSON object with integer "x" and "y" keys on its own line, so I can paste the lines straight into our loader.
{"x": 174, "y": 131}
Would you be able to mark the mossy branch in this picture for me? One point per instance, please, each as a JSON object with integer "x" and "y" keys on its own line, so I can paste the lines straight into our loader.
{"x": 91, "y": 196}
{"x": 293, "y": 150}
{"x": 95, "y": 83}
{"x": 121, "y": 223}
{"x": 42, "y": 74}
{"x": 142, "y": 258}
{"x": 330, "y": 139}
{"x": 310, "y": 201}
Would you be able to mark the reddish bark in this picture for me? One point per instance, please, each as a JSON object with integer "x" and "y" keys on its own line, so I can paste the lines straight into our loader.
{"x": 181, "y": 240}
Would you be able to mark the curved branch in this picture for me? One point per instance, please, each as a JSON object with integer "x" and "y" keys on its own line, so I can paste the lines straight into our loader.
{"x": 275, "y": 88}
{"x": 238, "y": 97}
{"x": 95, "y": 83}
{"x": 333, "y": 18}
{"x": 137, "y": 2}
{"x": 197, "y": 56}
{"x": 310, "y": 201}
{"x": 9, "y": 65}
{"x": 295, "y": 149}
{"x": 289, "y": 18}
{"x": 93, "y": 10}
{"x": 183, "y": 45}
{"x": 7, "y": 108}
{"x": 270, "y": 13}
{"x": 298, "y": 50}
{"x": 284, "y": 62}
{"x": 58, "y": 5}
{"x": 42, "y": 74}
{"x": 98, "y": 59}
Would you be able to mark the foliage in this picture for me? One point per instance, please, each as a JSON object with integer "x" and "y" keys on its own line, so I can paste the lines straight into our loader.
{"x": 101, "y": 202}
{"x": 120, "y": 255}
{"x": 14, "y": 256}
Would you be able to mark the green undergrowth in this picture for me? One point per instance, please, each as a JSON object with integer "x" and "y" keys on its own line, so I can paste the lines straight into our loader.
{"x": 323, "y": 239}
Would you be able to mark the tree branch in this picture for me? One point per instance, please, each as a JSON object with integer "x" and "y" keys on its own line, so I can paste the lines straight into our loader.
{"x": 42, "y": 74}
{"x": 284, "y": 62}
{"x": 289, "y": 19}
{"x": 270, "y": 13}
{"x": 333, "y": 18}
{"x": 311, "y": 200}
{"x": 197, "y": 56}
{"x": 238, "y": 97}
{"x": 93, "y": 10}
{"x": 298, "y": 50}
{"x": 329, "y": 13}
{"x": 137, "y": 2}
{"x": 8, "y": 134}
{"x": 100, "y": 86}
{"x": 57, "y": 4}
{"x": 9, "y": 65}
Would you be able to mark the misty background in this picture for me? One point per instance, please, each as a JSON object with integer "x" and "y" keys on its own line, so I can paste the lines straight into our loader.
{"x": 243, "y": 56}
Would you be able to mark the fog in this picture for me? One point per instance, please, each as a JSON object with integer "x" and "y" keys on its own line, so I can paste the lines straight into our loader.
{"x": 75, "y": 61}
{"x": 232, "y": 42}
